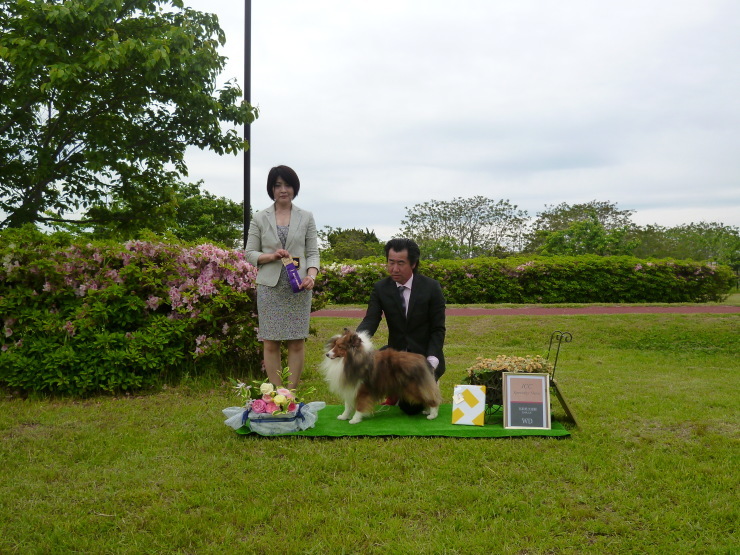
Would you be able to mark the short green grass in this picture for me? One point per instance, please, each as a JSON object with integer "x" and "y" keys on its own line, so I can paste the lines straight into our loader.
{"x": 652, "y": 468}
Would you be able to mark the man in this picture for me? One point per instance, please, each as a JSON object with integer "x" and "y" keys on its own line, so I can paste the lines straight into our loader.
{"x": 413, "y": 305}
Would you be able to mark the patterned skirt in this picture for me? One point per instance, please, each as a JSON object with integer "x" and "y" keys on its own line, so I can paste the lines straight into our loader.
{"x": 282, "y": 314}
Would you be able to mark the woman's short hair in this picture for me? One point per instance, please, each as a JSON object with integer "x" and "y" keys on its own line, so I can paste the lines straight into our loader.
{"x": 401, "y": 244}
{"x": 288, "y": 175}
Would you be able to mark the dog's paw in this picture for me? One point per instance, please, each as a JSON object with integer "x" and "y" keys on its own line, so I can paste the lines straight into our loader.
{"x": 433, "y": 412}
{"x": 356, "y": 419}
{"x": 343, "y": 417}
{"x": 425, "y": 411}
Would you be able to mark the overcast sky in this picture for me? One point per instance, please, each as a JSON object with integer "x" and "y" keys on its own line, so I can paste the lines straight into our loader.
{"x": 385, "y": 104}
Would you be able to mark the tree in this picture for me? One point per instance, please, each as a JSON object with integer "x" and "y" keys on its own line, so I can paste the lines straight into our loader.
{"x": 349, "y": 244}
{"x": 562, "y": 216}
{"x": 188, "y": 214}
{"x": 478, "y": 225}
{"x": 444, "y": 248}
{"x": 588, "y": 237}
{"x": 100, "y": 98}
{"x": 698, "y": 241}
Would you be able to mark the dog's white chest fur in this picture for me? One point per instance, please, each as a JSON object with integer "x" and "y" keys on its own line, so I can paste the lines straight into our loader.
{"x": 333, "y": 370}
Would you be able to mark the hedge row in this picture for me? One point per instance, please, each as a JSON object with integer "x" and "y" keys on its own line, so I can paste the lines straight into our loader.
{"x": 561, "y": 279}
{"x": 85, "y": 318}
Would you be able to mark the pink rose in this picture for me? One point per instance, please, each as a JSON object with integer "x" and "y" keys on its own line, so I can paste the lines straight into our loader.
{"x": 287, "y": 392}
{"x": 292, "y": 407}
{"x": 267, "y": 398}
{"x": 271, "y": 407}
{"x": 258, "y": 405}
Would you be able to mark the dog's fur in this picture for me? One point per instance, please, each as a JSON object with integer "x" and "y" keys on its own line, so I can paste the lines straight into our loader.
{"x": 363, "y": 376}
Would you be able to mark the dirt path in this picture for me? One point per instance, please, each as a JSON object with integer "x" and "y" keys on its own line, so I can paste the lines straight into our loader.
{"x": 536, "y": 311}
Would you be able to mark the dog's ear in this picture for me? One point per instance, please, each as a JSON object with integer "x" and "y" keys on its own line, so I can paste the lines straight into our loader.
{"x": 355, "y": 341}
{"x": 346, "y": 331}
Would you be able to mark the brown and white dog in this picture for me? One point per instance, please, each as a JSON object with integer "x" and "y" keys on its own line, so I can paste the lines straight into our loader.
{"x": 363, "y": 376}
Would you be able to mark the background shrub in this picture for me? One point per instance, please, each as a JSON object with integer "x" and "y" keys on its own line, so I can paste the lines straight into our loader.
{"x": 552, "y": 279}
{"x": 81, "y": 318}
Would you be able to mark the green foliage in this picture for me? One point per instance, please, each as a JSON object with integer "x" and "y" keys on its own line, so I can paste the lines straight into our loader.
{"x": 188, "y": 214}
{"x": 588, "y": 236}
{"x": 100, "y": 99}
{"x": 349, "y": 244}
{"x": 563, "y": 216}
{"x": 350, "y": 283}
{"x": 84, "y": 318}
{"x": 476, "y": 226}
{"x": 443, "y": 248}
{"x": 556, "y": 279}
{"x": 703, "y": 241}
{"x": 201, "y": 215}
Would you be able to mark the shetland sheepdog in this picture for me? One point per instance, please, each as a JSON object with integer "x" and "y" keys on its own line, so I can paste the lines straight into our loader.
{"x": 363, "y": 376}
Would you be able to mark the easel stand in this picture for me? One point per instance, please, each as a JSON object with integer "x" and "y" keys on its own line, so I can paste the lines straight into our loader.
{"x": 561, "y": 337}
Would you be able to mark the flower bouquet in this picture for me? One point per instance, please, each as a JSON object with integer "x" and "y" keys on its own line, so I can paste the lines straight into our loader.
{"x": 270, "y": 410}
{"x": 489, "y": 372}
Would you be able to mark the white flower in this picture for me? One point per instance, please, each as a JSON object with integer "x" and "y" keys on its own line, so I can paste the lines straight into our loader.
{"x": 240, "y": 386}
{"x": 266, "y": 388}
{"x": 280, "y": 400}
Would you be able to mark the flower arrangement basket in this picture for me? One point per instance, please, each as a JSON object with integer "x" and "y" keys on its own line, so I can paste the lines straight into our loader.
{"x": 489, "y": 372}
{"x": 270, "y": 410}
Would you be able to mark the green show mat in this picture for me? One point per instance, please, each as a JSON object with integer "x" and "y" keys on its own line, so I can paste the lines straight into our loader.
{"x": 390, "y": 421}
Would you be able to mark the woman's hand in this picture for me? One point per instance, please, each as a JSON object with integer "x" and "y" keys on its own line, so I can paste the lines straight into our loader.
{"x": 308, "y": 283}
{"x": 281, "y": 253}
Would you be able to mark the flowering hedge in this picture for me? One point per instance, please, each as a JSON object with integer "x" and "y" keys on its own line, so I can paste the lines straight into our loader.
{"x": 81, "y": 318}
{"x": 557, "y": 279}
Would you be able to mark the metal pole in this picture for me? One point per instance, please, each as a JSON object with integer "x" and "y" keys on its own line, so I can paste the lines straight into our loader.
{"x": 247, "y": 98}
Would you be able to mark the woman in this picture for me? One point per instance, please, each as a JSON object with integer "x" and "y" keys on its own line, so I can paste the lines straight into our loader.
{"x": 280, "y": 231}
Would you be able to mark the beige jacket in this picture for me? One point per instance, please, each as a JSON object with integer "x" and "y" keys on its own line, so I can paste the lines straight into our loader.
{"x": 263, "y": 238}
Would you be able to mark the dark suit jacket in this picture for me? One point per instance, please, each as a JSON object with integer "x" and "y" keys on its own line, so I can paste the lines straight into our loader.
{"x": 422, "y": 330}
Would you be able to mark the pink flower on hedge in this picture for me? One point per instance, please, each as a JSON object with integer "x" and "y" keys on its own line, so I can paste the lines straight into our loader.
{"x": 69, "y": 328}
{"x": 113, "y": 275}
{"x": 175, "y": 297}
{"x": 258, "y": 405}
{"x": 4, "y": 348}
{"x": 153, "y": 302}
{"x": 207, "y": 289}
{"x": 8, "y": 332}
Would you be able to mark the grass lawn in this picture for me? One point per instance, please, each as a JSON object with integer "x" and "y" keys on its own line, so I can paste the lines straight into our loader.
{"x": 652, "y": 469}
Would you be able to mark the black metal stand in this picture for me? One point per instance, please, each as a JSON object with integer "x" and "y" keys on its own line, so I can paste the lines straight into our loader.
{"x": 561, "y": 337}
